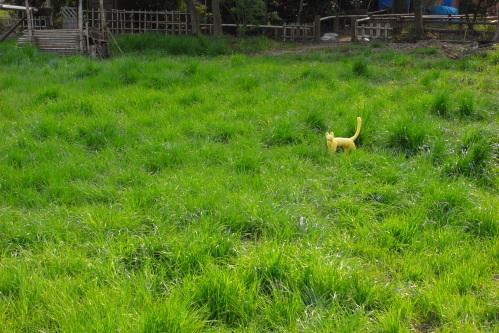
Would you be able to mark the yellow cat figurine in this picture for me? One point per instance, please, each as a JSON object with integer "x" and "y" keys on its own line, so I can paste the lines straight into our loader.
{"x": 347, "y": 143}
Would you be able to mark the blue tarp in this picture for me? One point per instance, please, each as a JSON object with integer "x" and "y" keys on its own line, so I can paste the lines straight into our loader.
{"x": 443, "y": 10}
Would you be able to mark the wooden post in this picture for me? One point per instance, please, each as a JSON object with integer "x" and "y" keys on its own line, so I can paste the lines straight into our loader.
{"x": 102, "y": 17}
{"x": 353, "y": 26}
{"x": 29, "y": 17}
{"x": 88, "y": 42}
{"x": 317, "y": 28}
{"x": 80, "y": 24}
{"x": 51, "y": 17}
{"x": 336, "y": 23}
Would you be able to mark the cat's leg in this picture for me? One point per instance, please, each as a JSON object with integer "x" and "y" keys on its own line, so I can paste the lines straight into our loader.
{"x": 334, "y": 145}
{"x": 350, "y": 147}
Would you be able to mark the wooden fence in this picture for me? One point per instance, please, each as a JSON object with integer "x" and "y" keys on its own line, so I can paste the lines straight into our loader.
{"x": 385, "y": 26}
{"x": 40, "y": 22}
{"x": 166, "y": 22}
{"x": 370, "y": 28}
{"x": 177, "y": 23}
{"x": 140, "y": 21}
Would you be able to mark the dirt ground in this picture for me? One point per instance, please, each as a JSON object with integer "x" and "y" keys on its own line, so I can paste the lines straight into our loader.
{"x": 455, "y": 50}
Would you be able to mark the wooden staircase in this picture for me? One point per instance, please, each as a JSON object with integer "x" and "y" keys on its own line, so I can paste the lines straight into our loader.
{"x": 64, "y": 42}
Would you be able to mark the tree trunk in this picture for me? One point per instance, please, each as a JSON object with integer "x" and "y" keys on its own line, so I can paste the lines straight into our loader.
{"x": 418, "y": 19}
{"x": 191, "y": 8}
{"x": 217, "y": 18}
{"x": 300, "y": 10}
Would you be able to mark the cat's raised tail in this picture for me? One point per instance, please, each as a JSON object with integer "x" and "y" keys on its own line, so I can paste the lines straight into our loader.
{"x": 359, "y": 123}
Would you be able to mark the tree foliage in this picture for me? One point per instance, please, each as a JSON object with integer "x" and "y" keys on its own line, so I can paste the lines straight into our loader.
{"x": 475, "y": 8}
{"x": 244, "y": 12}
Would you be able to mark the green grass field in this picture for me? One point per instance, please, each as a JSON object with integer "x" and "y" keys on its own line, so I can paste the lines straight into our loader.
{"x": 188, "y": 193}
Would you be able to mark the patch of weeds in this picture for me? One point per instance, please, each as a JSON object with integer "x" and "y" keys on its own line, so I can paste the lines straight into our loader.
{"x": 467, "y": 107}
{"x": 22, "y": 154}
{"x": 242, "y": 222}
{"x": 446, "y": 204}
{"x": 217, "y": 133}
{"x": 156, "y": 81}
{"x": 45, "y": 129}
{"x": 284, "y": 309}
{"x": 315, "y": 119}
{"x": 483, "y": 221}
{"x": 312, "y": 73}
{"x": 161, "y": 157}
{"x": 96, "y": 137}
{"x": 191, "y": 68}
{"x": 190, "y": 99}
{"x": 376, "y": 44}
{"x": 438, "y": 150}
{"x": 223, "y": 135}
{"x": 441, "y": 106}
{"x": 398, "y": 232}
{"x": 253, "y": 44}
{"x": 85, "y": 107}
{"x": 429, "y": 78}
{"x": 428, "y": 50}
{"x": 284, "y": 132}
{"x": 128, "y": 71}
{"x": 172, "y": 316}
{"x": 360, "y": 67}
{"x": 224, "y": 298}
{"x": 474, "y": 157}
{"x": 9, "y": 282}
{"x": 48, "y": 94}
{"x": 88, "y": 69}
{"x": 173, "y": 259}
{"x": 271, "y": 271}
{"x": 402, "y": 60}
{"x": 408, "y": 135}
{"x": 493, "y": 56}
{"x": 175, "y": 45}
{"x": 238, "y": 60}
{"x": 247, "y": 164}
{"x": 248, "y": 83}
{"x": 396, "y": 319}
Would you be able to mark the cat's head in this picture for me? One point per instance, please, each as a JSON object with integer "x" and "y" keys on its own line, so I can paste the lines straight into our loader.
{"x": 329, "y": 136}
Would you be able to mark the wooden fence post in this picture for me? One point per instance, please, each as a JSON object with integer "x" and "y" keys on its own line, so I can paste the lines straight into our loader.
{"x": 336, "y": 23}
{"x": 353, "y": 26}
{"x": 29, "y": 18}
{"x": 317, "y": 28}
{"x": 80, "y": 25}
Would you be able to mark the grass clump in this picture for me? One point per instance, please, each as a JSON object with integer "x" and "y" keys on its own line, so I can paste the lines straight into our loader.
{"x": 174, "y": 45}
{"x": 408, "y": 135}
{"x": 474, "y": 157}
{"x": 360, "y": 67}
{"x": 441, "y": 105}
